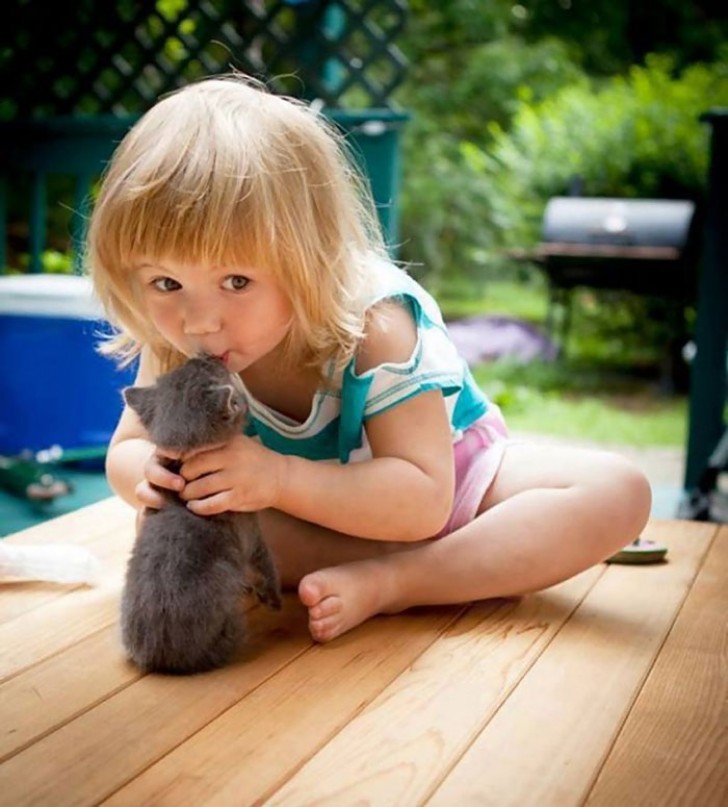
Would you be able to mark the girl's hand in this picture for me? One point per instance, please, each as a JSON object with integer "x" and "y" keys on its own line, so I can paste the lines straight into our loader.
{"x": 156, "y": 475}
{"x": 242, "y": 476}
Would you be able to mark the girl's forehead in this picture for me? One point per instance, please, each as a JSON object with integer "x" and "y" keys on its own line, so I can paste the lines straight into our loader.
{"x": 178, "y": 266}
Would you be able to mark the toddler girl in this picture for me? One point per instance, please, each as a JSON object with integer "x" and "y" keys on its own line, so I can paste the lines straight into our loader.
{"x": 230, "y": 222}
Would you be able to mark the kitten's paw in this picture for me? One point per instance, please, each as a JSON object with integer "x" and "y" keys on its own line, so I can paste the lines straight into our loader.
{"x": 269, "y": 597}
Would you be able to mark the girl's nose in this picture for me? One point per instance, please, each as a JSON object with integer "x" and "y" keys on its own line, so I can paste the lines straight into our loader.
{"x": 201, "y": 318}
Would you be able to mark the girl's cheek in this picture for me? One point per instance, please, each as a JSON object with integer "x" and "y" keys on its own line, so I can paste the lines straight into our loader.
{"x": 162, "y": 314}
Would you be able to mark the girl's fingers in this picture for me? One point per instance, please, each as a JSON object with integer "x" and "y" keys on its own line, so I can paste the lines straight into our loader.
{"x": 148, "y": 496}
{"x": 167, "y": 454}
{"x": 162, "y": 477}
{"x": 219, "y": 503}
{"x": 162, "y": 453}
{"x": 207, "y": 462}
{"x": 202, "y": 488}
{"x": 211, "y": 458}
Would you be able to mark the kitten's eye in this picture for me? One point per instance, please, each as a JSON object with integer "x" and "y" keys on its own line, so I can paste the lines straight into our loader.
{"x": 165, "y": 284}
{"x": 235, "y": 282}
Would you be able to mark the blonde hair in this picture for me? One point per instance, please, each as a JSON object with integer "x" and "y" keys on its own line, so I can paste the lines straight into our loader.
{"x": 224, "y": 173}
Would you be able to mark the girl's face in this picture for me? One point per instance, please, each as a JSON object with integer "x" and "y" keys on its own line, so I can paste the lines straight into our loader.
{"x": 238, "y": 314}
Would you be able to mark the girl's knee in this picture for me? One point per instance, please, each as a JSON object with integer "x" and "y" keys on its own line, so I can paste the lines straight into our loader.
{"x": 638, "y": 495}
{"x": 627, "y": 491}
{"x": 607, "y": 487}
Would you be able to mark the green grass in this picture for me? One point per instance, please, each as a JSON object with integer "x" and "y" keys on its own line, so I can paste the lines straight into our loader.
{"x": 627, "y": 413}
{"x": 607, "y": 387}
{"x": 462, "y": 298}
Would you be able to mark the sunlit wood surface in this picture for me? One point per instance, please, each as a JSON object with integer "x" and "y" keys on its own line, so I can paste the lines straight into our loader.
{"x": 610, "y": 689}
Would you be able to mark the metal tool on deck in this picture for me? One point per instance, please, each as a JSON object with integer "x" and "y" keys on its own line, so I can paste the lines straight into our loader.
{"x": 34, "y": 475}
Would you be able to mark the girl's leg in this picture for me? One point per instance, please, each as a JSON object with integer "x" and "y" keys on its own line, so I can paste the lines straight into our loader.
{"x": 300, "y": 547}
{"x": 549, "y": 514}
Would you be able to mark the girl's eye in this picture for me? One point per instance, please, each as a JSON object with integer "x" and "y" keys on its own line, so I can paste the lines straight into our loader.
{"x": 235, "y": 282}
{"x": 165, "y": 284}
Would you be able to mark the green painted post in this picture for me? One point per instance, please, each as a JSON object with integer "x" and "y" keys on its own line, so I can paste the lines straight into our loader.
{"x": 373, "y": 136}
{"x": 708, "y": 372}
{"x": 3, "y": 225}
{"x": 38, "y": 212}
{"x": 79, "y": 218}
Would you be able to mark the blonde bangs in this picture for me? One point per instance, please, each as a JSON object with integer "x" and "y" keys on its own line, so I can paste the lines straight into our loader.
{"x": 186, "y": 221}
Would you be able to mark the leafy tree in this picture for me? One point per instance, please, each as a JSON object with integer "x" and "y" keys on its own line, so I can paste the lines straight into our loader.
{"x": 612, "y": 35}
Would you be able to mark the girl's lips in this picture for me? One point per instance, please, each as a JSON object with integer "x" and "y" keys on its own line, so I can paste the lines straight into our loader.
{"x": 224, "y": 357}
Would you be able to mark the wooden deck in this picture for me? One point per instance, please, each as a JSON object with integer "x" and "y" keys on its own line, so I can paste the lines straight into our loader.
{"x": 610, "y": 689}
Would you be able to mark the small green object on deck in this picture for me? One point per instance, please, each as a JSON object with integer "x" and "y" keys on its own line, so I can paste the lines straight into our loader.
{"x": 28, "y": 479}
{"x": 640, "y": 551}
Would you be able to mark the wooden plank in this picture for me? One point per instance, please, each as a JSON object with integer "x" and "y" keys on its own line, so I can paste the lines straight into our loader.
{"x": 399, "y": 748}
{"x": 77, "y": 527}
{"x": 61, "y": 622}
{"x": 673, "y": 749}
{"x": 55, "y": 691}
{"x": 106, "y": 529}
{"x": 89, "y": 758}
{"x": 46, "y": 623}
{"x": 111, "y": 549}
{"x": 255, "y": 746}
{"x": 547, "y": 742}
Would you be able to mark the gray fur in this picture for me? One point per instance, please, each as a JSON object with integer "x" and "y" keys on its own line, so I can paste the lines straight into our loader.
{"x": 181, "y": 609}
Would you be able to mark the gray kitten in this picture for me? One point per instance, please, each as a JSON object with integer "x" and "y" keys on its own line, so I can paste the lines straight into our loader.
{"x": 181, "y": 609}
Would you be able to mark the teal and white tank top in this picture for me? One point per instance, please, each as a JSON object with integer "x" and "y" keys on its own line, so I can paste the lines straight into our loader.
{"x": 334, "y": 429}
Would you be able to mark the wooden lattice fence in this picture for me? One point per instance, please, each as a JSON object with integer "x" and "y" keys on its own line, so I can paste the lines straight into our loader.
{"x": 86, "y": 57}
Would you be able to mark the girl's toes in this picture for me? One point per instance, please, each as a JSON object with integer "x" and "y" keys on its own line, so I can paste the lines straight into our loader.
{"x": 312, "y": 589}
{"x": 323, "y": 630}
{"x": 329, "y": 606}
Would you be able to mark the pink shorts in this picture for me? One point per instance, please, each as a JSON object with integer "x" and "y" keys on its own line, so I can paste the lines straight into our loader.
{"x": 478, "y": 456}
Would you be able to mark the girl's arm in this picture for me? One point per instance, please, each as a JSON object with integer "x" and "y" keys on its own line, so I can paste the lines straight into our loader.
{"x": 404, "y": 493}
{"x": 131, "y": 459}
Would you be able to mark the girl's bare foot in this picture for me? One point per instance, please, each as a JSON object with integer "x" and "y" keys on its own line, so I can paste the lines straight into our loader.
{"x": 341, "y": 597}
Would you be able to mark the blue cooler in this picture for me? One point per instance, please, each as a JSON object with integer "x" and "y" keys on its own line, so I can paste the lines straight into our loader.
{"x": 55, "y": 389}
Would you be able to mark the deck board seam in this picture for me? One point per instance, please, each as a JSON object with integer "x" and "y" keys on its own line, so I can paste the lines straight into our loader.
{"x": 78, "y": 714}
{"x": 22, "y": 670}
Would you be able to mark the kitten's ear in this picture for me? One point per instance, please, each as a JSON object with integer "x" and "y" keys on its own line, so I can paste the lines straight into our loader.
{"x": 140, "y": 399}
{"x": 229, "y": 399}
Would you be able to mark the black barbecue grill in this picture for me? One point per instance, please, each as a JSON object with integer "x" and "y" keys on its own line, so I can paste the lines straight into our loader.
{"x": 641, "y": 245}
{"x": 645, "y": 246}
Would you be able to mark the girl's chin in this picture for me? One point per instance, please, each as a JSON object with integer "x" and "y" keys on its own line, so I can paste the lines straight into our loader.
{"x": 235, "y": 363}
